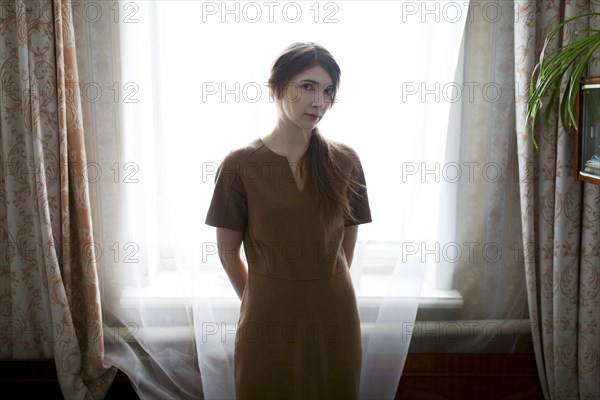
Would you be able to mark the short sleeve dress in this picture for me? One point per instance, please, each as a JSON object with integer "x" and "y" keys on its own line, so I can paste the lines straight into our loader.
{"x": 298, "y": 336}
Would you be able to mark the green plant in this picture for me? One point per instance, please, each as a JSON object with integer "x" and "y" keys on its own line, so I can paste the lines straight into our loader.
{"x": 569, "y": 61}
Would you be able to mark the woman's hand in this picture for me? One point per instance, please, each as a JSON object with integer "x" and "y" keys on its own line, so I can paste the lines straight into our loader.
{"x": 229, "y": 243}
{"x": 350, "y": 235}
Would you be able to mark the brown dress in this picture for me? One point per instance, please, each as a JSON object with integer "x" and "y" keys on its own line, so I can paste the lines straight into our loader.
{"x": 298, "y": 335}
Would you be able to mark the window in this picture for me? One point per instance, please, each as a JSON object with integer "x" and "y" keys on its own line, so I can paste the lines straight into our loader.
{"x": 203, "y": 80}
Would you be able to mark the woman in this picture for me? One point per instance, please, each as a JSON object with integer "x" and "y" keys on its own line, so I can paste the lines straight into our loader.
{"x": 294, "y": 199}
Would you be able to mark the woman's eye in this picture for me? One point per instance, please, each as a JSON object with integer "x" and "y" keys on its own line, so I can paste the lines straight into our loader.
{"x": 307, "y": 86}
{"x": 329, "y": 92}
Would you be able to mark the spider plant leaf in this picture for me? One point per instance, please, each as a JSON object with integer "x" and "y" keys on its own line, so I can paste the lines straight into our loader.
{"x": 575, "y": 82}
{"x": 569, "y": 61}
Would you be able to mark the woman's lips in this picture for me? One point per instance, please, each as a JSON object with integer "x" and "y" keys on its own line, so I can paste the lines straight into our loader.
{"x": 313, "y": 116}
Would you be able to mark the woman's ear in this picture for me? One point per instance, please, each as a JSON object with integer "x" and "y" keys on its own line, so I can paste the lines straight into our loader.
{"x": 274, "y": 96}
{"x": 276, "y": 99}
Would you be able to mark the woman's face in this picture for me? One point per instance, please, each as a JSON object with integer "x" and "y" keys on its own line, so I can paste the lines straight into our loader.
{"x": 307, "y": 98}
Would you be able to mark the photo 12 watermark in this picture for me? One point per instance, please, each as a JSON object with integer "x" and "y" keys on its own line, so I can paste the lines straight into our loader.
{"x": 92, "y": 252}
{"x": 461, "y": 331}
{"x": 439, "y": 11}
{"x": 275, "y": 252}
{"x": 127, "y": 12}
{"x": 252, "y": 12}
{"x": 254, "y": 92}
{"x": 90, "y": 12}
{"x": 272, "y": 333}
{"x": 457, "y": 172}
{"x": 25, "y": 171}
{"x": 454, "y": 92}
{"x": 65, "y": 331}
{"x": 466, "y": 251}
{"x": 89, "y": 92}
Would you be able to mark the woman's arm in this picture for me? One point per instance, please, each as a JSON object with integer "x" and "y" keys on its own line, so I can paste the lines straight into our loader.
{"x": 229, "y": 243}
{"x": 350, "y": 235}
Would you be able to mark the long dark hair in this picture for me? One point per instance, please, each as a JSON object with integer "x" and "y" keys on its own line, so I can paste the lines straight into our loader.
{"x": 322, "y": 163}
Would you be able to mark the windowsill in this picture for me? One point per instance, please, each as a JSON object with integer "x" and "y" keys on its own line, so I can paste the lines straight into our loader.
{"x": 170, "y": 295}
{"x": 171, "y": 289}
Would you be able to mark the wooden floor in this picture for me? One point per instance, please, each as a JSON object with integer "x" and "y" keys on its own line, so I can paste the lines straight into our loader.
{"x": 425, "y": 377}
{"x": 469, "y": 376}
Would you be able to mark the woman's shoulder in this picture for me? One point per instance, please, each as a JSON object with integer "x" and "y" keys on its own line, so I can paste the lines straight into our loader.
{"x": 344, "y": 153}
{"x": 242, "y": 154}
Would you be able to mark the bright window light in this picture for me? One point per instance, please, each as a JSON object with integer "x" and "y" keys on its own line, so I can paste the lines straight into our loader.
{"x": 202, "y": 84}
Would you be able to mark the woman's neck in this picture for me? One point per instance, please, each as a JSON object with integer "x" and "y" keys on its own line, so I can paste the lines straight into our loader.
{"x": 288, "y": 140}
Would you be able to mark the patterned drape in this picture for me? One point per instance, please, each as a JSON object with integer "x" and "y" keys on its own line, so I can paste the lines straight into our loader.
{"x": 561, "y": 226}
{"x": 49, "y": 297}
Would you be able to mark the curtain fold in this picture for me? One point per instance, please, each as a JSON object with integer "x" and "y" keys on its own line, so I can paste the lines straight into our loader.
{"x": 479, "y": 224}
{"x": 491, "y": 280}
{"x": 561, "y": 224}
{"x": 49, "y": 287}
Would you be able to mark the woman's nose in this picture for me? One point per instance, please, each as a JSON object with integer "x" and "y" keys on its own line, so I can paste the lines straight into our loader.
{"x": 319, "y": 100}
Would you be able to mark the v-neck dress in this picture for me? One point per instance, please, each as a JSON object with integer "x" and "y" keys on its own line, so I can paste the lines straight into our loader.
{"x": 298, "y": 336}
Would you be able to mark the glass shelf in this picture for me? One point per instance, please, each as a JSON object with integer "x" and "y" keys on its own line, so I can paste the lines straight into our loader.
{"x": 588, "y": 140}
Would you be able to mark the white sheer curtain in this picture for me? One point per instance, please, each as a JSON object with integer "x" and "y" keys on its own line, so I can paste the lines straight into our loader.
{"x": 173, "y": 87}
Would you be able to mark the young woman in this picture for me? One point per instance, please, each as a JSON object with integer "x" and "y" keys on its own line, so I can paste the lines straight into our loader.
{"x": 295, "y": 200}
